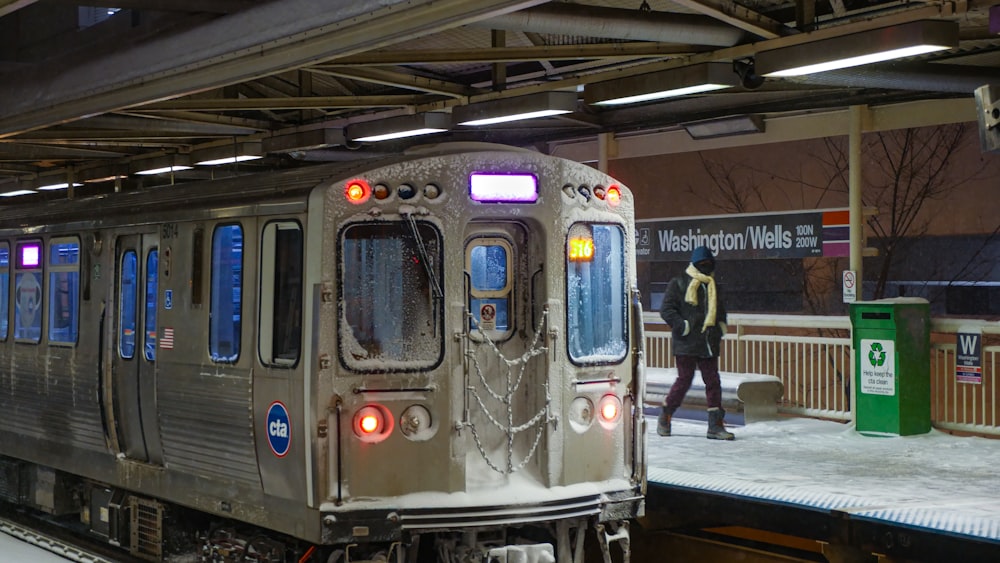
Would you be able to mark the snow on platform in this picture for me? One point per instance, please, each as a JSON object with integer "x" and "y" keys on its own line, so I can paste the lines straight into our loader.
{"x": 934, "y": 481}
{"x": 14, "y": 550}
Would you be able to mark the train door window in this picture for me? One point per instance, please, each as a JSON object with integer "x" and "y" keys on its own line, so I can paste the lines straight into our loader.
{"x": 226, "y": 294}
{"x": 4, "y": 289}
{"x": 152, "y": 277}
{"x": 64, "y": 290}
{"x": 489, "y": 263}
{"x": 596, "y": 296}
{"x": 391, "y": 301}
{"x": 281, "y": 293}
{"x": 127, "y": 294}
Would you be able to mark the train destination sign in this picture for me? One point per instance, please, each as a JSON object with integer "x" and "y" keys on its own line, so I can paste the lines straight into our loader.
{"x": 746, "y": 236}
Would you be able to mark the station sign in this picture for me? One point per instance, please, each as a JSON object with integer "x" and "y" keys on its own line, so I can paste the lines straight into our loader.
{"x": 821, "y": 233}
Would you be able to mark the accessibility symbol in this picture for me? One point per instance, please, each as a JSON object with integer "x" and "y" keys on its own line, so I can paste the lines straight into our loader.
{"x": 876, "y": 356}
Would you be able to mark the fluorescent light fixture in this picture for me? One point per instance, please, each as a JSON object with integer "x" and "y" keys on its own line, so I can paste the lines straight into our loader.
{"x": 15, "y": 193}
{"x": 61, "y": 186}
{"x": 229, "y": 159}
{"x": 543, "y": 104}
{"x": 724, "y": 127}
{"x": 161, "y": 164}
{"x": 164, "y": 169}
{"x": 682, "y": 81}
{"x": 398, "y": 127}
{"x": 866, "y": 47}
{"x": 227, "y": 154}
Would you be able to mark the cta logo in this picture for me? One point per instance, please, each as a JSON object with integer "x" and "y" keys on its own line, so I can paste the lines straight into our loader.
{"x": 279, "y": 429}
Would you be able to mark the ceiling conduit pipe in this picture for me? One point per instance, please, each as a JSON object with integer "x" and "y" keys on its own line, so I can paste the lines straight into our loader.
{"x": 614, "y": 23}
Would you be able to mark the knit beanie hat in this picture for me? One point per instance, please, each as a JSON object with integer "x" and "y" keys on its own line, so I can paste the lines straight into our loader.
{"x": 701, "y": 253}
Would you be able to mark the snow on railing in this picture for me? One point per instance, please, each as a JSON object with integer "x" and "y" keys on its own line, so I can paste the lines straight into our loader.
{"x": 811, "y": 355}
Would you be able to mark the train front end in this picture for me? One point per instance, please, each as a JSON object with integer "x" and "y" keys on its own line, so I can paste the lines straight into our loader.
{"x": 478, "y": 335}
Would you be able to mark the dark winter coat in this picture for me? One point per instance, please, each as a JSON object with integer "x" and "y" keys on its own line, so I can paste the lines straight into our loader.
{"x": 675, "y": 311}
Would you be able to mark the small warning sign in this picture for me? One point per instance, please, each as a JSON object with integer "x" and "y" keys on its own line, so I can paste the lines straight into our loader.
{"x": 488, "y": 316}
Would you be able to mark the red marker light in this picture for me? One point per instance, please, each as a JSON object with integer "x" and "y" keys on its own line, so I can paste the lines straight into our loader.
{"x": 369, "y": 421}
{"x": 610, "y": 408}
{"x": 357, "y": 191}
{"x": 614, "y": 195}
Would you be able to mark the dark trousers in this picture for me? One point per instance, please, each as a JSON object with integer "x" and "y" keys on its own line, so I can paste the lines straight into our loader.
{"x": 709, "y": 368}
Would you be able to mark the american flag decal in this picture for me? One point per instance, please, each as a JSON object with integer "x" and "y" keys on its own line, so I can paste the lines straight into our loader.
{"x": 167, "y": 342}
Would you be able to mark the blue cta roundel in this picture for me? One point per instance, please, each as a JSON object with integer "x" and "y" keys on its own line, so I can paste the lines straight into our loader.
{"x": 279, "y": 429}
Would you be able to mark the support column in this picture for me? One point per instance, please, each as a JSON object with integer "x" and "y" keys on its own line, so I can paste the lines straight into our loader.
{"x": 607, "y": 148}
{"x": 858, "y": 114}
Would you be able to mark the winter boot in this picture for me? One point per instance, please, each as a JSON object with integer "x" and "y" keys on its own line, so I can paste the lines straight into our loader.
{"x": 663, "y": 422}
{"x": 716, "y": 428}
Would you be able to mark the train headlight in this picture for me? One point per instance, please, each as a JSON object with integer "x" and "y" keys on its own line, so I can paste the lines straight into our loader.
{"x": 416, "y": 423}
{"x": 372, "y": 423}
{"x": 357, "y": 191}
{"x": 610, "y": 409}
{"x": 581, "y": 414}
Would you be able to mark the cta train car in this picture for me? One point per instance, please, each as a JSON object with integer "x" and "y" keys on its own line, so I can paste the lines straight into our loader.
{"x": 433, "y": 357}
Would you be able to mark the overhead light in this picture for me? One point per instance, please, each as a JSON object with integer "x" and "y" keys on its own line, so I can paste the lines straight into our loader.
{"x": 61, "y": 186}
{"x": 542, "y": 104}
{"x": 17, "y": 192}
{"x": 164, "y": 169}
{"x": 161, "y": 164}
{"x": 876, "y": 45}
{"x": 398, "y": 127}
{"x": 725, "y": 126}
{"x": 227, "y": 154}
{"x": 682, "y": 81}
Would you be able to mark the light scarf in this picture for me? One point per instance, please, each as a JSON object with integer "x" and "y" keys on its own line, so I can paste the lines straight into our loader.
{"x": 698, "y": 278}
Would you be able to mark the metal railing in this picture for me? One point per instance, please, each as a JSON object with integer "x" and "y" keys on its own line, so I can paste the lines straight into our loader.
{"x": 811, "y": 355}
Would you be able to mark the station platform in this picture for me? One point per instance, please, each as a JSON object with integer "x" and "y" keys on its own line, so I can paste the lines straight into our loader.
{"x": 930, "y": 497}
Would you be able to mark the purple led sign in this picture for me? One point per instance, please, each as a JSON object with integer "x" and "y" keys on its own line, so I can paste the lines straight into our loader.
{"x": 31, "y": 255}
{"x": 499, "y": 187}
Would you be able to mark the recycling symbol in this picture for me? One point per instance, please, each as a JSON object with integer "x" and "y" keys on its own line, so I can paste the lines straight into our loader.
{"x": 876, "y": 356}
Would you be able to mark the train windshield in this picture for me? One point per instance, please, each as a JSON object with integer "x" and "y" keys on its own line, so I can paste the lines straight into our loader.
{"x": 596, "y": 294}
{"x": 391, "y": 306}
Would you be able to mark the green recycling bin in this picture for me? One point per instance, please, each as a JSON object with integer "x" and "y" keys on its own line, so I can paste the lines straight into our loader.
{"x": 891, "y": 339}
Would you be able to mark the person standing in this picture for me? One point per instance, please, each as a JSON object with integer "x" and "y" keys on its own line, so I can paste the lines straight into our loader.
{"x": 694, "y": 310}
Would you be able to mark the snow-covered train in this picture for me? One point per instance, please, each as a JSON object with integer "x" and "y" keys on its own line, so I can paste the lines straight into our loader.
{"x": 433, "y": 357}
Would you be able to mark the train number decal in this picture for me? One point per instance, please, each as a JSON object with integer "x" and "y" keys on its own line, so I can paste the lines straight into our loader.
{"x": 279, "y": 429}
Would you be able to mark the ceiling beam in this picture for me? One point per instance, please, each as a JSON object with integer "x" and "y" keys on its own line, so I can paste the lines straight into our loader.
{"x": 308, "y": 102}
{"x": 516, "y": 54}
{"x": 738, "y": 16}
{"x": 399, "y": 80}
{"x": 11, "y": 6}
{"x": 262, "y": 40}
{"x": 213, "y": 6}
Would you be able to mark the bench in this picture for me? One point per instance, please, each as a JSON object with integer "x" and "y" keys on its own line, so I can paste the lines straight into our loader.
{"x": 755, "y": 396}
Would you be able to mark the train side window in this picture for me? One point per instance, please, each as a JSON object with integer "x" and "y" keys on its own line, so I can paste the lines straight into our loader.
{"x": 596, "y": 296}
{"x": 489, "y": 263}
{"x": 4, "y": 289}
{"x": 152, "y": 278}
{"x": 28, "y": 291}
{"x": 280, "y": 293}
{"x": 226, "y": 294}
{"x": 64, "y": 290}
{"x": 391, "y": 300}
{"x": 127, "y": 293}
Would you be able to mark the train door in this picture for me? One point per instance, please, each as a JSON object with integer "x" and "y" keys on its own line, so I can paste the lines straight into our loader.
{"x": 506, "y": 372}
{"x": 133, "y": 383}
